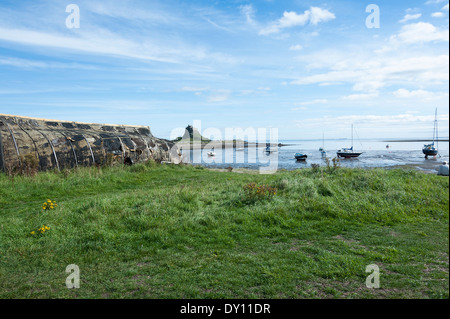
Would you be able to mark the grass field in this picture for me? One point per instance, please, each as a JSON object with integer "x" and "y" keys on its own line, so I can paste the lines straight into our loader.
{"x": 166, "y": 231}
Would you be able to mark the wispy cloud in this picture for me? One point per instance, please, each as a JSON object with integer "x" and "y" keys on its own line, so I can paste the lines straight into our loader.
{"x": 30, "y": 64}
{"x": 316, "y": 101}
{"x": 105, "y": 44}
{"x": 434, "y": 1}
{"x": 418, "y": 94}
{"x": 410, "y": 17}
{"x": 362, "y": 96}
{"x": 370, "y": 122}
{"x": 249, "y": 12}
{"x": 296, "y": 47}
{"x": 368, "y": 78}
{"x": 218, "y": 96}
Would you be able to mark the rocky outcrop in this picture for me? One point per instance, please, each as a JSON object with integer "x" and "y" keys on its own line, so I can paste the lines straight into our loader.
{"x": 192, "y": 134}
{"x": 62, "y": 144}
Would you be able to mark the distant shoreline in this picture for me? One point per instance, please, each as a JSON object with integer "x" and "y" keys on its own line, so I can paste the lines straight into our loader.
{"x": 440, "y": 140}
{"x": 227, "y": 144}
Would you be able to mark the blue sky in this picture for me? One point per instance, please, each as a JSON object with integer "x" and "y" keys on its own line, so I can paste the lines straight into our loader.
{"x": 304, "y": 67}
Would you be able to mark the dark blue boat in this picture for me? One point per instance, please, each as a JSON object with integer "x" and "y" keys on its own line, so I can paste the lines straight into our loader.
{"x": 300, "y": 157}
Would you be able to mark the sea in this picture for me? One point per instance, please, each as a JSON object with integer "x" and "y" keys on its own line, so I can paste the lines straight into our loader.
{"x": 376, "y": 153}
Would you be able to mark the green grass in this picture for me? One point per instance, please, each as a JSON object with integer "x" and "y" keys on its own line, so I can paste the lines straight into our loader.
{"x": 166, "y": 231}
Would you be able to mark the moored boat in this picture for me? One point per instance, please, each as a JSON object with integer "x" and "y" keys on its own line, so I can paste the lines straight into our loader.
{"x": 211, "y": 153}
{"x": 300, "y": 157}
{"x": 430, "y": 149}
{"x": 348, "y": 152}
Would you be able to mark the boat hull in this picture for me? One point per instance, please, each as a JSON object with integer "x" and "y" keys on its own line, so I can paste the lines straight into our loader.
{"x": 301, "y": 157}
{"x": 348, "y": 155}
{"x": 428, "y": 152}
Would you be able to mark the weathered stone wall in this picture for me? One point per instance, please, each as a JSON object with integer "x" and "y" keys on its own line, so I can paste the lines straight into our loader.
{"x": 61, "y": 144}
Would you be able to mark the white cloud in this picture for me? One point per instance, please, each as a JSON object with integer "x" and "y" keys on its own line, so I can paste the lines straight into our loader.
{"x": 301, "y": 108}
{"x": 369, "y": 85}
{"x": 320, "y": 15}
{"x": 403, "y": 93}
{"x": 434, "y": 1}
{"x": 258, "y": 91}
{"x": 123, "y": 10}
{"x": 193, "y": 89}
{"x": 420, "y": 32}
{"x": 410, "y": 17}
{"x": 290, "y": 19}
{"x": 371, "y": 122}
{"x": 445, "y": 8}
{"x": 363, "y": 96}
{"x": 437, "y": 14}
{"x": 368, "y": 76}
{"x": 249, "y": 12}
{"x": 219, "y": 96}
{"x": 104, "y": 43}
{"x": 317, "y": 101}
{"x": 418, "y": 94}
{"x": 29, "y": 64}
{"x": 297, "y": 47}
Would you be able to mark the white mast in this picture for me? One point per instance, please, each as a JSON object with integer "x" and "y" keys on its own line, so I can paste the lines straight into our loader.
{"x": 436, "y": 127}
{"x": 352, "y": 136}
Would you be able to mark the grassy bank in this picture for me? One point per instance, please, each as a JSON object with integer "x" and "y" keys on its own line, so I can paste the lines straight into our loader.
{"x": 164, "y": 231}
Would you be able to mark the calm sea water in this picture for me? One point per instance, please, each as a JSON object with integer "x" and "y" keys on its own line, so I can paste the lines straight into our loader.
{"x": 375, "y": 154}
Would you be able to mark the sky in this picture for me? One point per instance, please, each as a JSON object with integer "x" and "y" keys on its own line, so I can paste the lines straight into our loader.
{"x": 305, "y": 68}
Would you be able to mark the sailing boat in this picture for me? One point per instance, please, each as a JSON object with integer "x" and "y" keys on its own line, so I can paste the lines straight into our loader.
{"x": 322, "y": 149}
{"x": 429, "y": 149}
{"x": 211, "y": 153}
{"x": 300, "y": 156}
{"x": 348, "y": 152}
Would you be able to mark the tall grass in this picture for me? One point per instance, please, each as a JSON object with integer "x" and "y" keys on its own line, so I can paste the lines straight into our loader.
{"x": 166, "y": 231}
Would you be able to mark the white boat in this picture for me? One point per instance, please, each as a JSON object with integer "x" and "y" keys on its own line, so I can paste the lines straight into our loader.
{"x": 430, "y": 149}
{"x": 211, "y": 153}
{"x": 348, "y": 152}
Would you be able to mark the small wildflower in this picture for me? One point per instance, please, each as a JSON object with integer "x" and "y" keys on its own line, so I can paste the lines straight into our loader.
{"x": 49, "y": 204}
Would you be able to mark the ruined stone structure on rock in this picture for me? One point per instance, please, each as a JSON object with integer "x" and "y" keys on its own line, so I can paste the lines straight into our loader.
{"x": 62, "y": 144}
